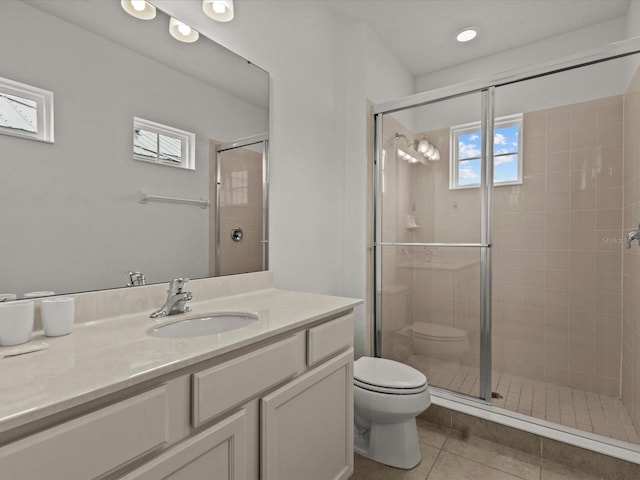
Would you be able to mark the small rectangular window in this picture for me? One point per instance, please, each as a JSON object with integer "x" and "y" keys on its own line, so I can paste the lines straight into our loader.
{"x": 26, "y": 111}
{"x": 466, "y": 148}
{"x": 157, "y": 143}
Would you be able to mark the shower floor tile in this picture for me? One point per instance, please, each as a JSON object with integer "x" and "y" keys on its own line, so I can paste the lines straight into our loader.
{"x": 568, "y": 406}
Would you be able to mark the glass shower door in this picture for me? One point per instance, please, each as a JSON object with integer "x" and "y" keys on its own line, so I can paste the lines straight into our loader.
{"x": 432, "y": 241}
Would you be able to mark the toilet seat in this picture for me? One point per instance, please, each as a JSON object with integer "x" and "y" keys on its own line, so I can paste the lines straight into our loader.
{"x": 441, "y": 333}
{"x": 387, "y": 376}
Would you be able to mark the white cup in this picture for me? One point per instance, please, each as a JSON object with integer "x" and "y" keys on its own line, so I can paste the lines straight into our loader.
{"x": 7, "y": 297}
{"x": 43, "y": 293}
{"x": 57, "y": 315}
{"x": 16, "y": 322}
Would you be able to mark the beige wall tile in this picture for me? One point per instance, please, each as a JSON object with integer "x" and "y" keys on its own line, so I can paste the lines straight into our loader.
{"x": 583, "y": 179}
{"x": 584, "y": 138}
{"x": 610, "y": 135}
{"x": 558, "y": 161}
{"x": 584, "y": 117}
{"x": 583, "y": 199}
{"x": 559, "y": 119}
{"x": 557, "y": 260}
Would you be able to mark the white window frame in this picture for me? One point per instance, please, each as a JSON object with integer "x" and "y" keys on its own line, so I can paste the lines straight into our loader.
{"x": 44, "y": 110}
{"x": 187, "y": 139}
{"x": 500, "y": 122}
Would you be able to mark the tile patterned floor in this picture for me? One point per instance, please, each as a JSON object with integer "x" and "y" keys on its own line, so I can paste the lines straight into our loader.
{"x": 568, "y": 406}
{"x": 448, "y": 455}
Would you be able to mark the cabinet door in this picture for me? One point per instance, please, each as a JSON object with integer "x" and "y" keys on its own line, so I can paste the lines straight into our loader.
{"x": 307, "y": 425}
{"x": 218, "y": 453}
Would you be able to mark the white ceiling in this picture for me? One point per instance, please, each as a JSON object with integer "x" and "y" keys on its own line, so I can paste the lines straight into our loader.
{"x": 421, "y": 32}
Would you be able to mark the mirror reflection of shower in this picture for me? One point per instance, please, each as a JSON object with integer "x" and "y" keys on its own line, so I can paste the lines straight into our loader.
{"x": 240, "y": 189}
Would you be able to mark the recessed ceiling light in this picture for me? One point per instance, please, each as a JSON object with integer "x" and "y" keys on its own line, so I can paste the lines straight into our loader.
{"x": 467, "y": 34}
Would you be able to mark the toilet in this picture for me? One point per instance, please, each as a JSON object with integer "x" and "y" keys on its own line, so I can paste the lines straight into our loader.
{"x": 388, "y": 396}
{"x": 438, "y": 341}
{"x": 430, "y": 339}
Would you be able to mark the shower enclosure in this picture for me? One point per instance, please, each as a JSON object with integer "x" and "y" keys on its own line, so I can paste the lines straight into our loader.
{"x": 501, "y": 263}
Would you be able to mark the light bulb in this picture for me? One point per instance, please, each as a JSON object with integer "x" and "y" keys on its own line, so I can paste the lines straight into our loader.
{"x": 423, "y": 146}
{"x": 467, "y": 34}
{"x": 182, "y": 32}
{"x": 219, "y": 7}
{"x": 139, "y": 9}
{"x": 219, "y": 10}
{"x": 138, "y": 5}
{"x": 430, "y": 151}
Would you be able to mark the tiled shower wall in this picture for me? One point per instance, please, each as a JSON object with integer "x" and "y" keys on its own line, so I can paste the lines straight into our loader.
{"x": 631, "y": 257}
{"x": 557, "y": 256}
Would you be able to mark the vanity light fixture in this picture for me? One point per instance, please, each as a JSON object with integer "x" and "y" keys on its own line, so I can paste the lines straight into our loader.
{"x": 219, "y": 10}
{"x": 419, "y": 147}
{"x": 182, "y": 32}
{"x": 467, "y": 34}
{"x": 139, "y": 9}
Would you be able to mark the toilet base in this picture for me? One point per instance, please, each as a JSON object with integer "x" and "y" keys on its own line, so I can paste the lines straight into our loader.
{"x": 396, "y": 444}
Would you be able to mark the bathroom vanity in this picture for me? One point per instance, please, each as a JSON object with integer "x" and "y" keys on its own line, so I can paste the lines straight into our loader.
{"x": 272, "y": 400}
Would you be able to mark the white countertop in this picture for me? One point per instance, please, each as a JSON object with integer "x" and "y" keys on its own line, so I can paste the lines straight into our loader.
{"x": 105, "y": 356}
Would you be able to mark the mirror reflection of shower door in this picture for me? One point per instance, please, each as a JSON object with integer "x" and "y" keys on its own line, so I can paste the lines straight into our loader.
{"x": 431, "y": 242}
{"x": 241, "y": 193}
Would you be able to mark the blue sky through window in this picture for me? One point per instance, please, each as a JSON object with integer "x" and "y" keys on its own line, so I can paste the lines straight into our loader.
{"x": 505, "y": 152}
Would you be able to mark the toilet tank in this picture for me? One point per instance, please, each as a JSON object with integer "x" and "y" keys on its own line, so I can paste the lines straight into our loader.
{"x": 395, "y": 307}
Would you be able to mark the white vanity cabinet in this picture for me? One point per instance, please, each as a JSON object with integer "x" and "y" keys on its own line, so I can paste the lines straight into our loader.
{"x": 280, "y": 410}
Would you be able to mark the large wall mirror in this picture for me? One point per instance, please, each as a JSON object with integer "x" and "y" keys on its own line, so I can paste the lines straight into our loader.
{"x": 80, "y": 212}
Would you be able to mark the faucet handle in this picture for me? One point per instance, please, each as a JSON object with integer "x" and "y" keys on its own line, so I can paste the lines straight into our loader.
{"x": 176, "y": 285}
{"x": 136, "y": 279}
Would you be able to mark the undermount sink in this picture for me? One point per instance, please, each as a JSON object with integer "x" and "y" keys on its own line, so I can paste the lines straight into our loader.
{"x": 204, "y": 325}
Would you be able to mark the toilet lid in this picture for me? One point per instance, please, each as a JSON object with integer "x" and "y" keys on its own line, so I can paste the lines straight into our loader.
{"x": 387, "y": 376}
{"x": 438, "y": 332}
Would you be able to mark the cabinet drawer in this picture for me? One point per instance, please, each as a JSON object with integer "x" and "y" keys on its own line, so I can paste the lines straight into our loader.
{"x": 329, "y": 338}
{"x": 224, "y": 386}
{"x": 91, "y": 445}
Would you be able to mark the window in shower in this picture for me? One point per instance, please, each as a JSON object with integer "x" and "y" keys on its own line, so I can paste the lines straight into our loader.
{"x": 466, "y": 145}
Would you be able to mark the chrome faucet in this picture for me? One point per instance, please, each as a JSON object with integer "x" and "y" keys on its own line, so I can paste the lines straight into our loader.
{"x": 176, "y": 299}
{"x": 633, "y": 235}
